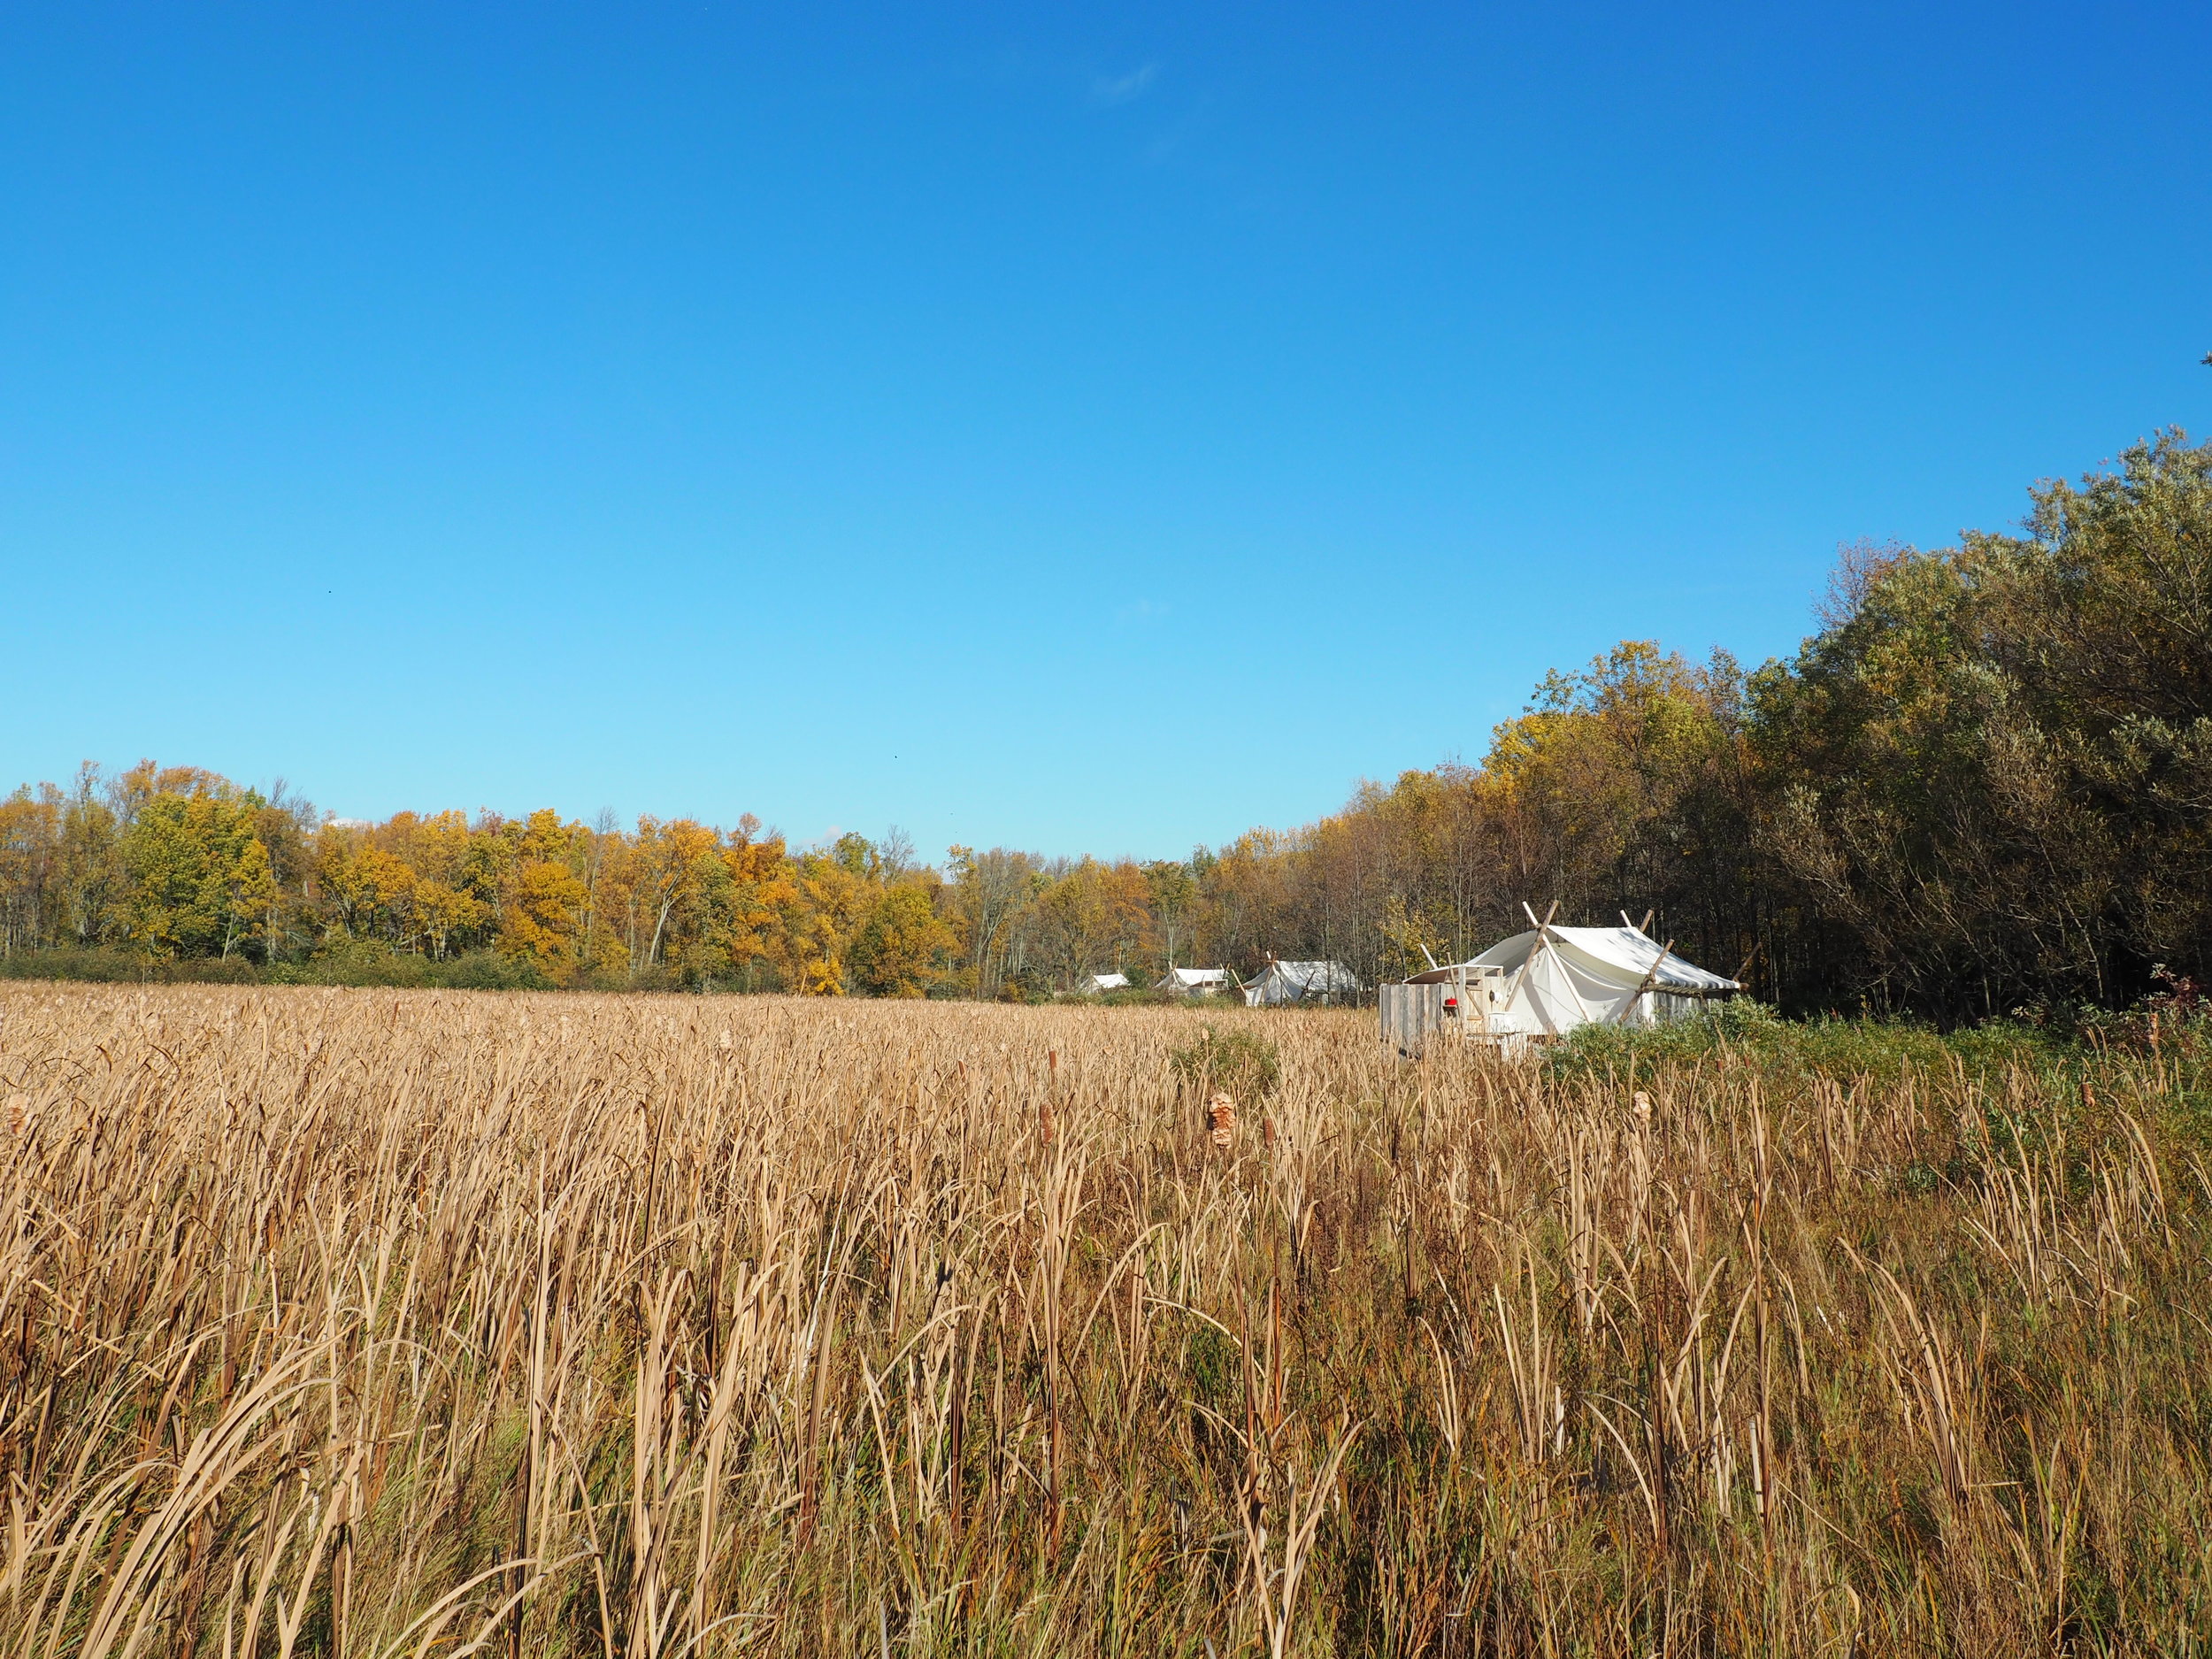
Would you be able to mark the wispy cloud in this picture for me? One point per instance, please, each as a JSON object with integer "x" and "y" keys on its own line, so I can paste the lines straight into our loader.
{"x": 1109, "y": 90}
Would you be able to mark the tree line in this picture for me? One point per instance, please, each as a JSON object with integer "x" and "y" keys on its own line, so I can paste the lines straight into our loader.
{"x": 1983, "y": 783}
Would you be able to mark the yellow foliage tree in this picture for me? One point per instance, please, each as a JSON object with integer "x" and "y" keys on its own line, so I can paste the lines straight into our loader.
{"x": 541, "y": 920}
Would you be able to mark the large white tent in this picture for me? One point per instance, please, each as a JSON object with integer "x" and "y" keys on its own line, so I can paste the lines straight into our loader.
{"x": 1551, "y": 980}
{"x": 1299, "y": 982}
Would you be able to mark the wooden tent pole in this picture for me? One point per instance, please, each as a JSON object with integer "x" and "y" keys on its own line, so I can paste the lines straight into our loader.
{"x": 1757, "y": 945}
{"x": 1629, "y": 1007}
{"x": 1543, "y": 938}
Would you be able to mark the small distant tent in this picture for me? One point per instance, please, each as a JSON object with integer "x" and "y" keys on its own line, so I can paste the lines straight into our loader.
{"x": 1104, "y": 982}
{"x": 1299, "y": 982}
{"x": 1546, "y": 982}
{"x": 1194, "y": 981}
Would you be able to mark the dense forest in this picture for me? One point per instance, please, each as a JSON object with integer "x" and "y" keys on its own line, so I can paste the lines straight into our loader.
{"x": 1983, "y": 783}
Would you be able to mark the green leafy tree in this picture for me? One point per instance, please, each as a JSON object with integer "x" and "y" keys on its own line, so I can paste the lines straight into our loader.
{"x": 201, "y": 882}
{"x": 1991, "y": 773}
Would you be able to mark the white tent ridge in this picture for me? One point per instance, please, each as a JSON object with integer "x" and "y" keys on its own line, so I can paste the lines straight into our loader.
{"x": 1103, "y": 982}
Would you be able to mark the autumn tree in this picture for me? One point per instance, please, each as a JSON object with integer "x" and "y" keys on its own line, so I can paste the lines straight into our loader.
{"x": 200, "y": 878}
{"x": 30, "y": 837}
{"x": 1088, "y": 916}
{"x": 901, "y": 945}
{"x": 542, "y": 912}
{"x": 991, "y": 895}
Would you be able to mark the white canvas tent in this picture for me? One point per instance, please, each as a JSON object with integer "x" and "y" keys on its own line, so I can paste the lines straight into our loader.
{"x": 1194, "y": 981}
{"x": 1546, "y": 982}
{"x": 1299, "y": 982}
{"x": 1103, "y": 982}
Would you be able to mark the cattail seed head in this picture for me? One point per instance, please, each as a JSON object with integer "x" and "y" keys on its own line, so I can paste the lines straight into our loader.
{"x": 1221, "y": 1112}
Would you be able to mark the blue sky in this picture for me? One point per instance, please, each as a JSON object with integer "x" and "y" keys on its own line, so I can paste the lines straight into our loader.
{"x": 1020, "y": 425}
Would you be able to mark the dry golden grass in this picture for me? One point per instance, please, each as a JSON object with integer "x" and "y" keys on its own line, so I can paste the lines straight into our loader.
{"x": 373, "y": 1322}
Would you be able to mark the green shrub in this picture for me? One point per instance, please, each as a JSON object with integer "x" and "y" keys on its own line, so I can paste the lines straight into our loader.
{"x": 488, "y": 970}
{"x": 1753, "y": 1034}
{"x": 1243, "y": 1063}
{"x": 97, "y": 964}
{"x": 357, "y": 962}
{"x": 107, "y": 964}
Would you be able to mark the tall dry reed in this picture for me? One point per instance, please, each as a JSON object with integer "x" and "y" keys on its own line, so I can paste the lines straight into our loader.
{"x": 368, "y": 1324}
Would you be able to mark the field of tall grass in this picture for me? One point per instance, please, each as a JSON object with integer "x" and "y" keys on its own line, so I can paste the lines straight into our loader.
{"x": 406, "y": 1323}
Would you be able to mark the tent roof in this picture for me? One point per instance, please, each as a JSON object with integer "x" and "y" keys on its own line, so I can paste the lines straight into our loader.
{"x": 1200, "y": 976}
{"x": 1327, "y": 976}
{"x": 1625, "y": 954}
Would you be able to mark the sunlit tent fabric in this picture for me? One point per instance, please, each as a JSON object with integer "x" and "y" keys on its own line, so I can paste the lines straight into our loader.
{"x": 1108, "y": 982}
{"x": 1299, "y": 982}
{"x": 1560, "y": 978}
{"x": 1194, "y": 981}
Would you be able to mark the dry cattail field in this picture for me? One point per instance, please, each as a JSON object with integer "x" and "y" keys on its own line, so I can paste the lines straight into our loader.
{"x": 373, "y": 1322}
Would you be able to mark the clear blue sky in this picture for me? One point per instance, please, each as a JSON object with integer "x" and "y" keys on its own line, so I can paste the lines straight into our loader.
{"x": 1017, "y": 425}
